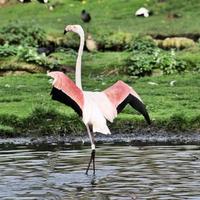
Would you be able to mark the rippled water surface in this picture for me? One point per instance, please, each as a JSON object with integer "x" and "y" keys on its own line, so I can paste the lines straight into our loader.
{"x": 123, "y": 172}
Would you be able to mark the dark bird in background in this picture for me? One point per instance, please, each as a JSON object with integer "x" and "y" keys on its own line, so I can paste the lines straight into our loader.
{"x": 46, "y": 49}
{"x": 40, "y": 1}
{"x": 85, "y": 16}
{"x": 24, "y": 1}
{"x": 43, "y": 1}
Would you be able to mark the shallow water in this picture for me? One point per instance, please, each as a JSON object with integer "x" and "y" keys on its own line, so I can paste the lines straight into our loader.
{"x": 123, "y": 172}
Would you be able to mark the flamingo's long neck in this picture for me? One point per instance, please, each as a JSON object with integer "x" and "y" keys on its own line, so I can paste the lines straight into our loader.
{"x": 78, "y": 61}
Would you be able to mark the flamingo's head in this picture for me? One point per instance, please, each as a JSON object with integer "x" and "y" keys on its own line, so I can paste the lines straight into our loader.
{"x": 74, "y": 28}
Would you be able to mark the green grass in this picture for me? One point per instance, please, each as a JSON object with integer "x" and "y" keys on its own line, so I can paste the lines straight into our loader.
{"x": 94, "y": 63}
{"x": 109, "y": 16}
{"x": 26, "y": 103}
{"x": 21, "y": 94}
{"x": 191, "y": 56}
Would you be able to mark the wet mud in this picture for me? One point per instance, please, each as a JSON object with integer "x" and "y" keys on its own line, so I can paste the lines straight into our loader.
{"x": 137, "y": 138}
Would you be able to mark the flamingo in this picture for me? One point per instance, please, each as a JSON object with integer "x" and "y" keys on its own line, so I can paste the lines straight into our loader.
{"x": 95, "y": 108}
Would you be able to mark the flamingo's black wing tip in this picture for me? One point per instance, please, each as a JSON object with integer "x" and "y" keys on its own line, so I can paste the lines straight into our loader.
{"x": 59, "y": 95}
{"x": 136, "y": 104}
{"x": 146, "y": 116}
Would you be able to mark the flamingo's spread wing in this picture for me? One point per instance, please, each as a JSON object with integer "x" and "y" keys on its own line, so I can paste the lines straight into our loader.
{"x": 120, "y": 94}
{"x": 65, "y": 91}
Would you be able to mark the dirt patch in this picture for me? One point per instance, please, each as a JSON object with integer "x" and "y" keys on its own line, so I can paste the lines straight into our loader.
{"x": 10, "y": 72}
{"x": 19, "y": 68}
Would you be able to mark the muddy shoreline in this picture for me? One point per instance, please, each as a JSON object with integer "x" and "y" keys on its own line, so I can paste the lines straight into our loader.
{"x": 136, "y": 138}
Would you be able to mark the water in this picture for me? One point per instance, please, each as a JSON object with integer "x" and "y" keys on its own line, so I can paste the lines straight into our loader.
{"x": 123, "y": 172}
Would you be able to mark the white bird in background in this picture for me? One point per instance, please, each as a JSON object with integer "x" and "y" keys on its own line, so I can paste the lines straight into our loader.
{"x": 142, "y": 12}
{"x": 95, "y": 108}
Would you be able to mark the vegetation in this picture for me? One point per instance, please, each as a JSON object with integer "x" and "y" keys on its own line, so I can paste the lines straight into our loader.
{"x": 146, "y": 57}
{"x": 7, "y": 50}
{"x": 22, "y": 33}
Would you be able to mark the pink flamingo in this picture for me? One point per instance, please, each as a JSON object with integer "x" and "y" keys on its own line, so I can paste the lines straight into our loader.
{"x": 94, "y": 107}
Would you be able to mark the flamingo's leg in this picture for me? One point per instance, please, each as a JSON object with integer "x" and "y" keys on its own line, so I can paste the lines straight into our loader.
{"x": 92, "y": 157}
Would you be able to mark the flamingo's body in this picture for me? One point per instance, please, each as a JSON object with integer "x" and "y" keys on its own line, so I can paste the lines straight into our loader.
{"x": 95, "y": 108}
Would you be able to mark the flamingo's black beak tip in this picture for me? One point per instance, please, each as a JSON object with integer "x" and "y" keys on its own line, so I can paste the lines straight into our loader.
{"x": 65, "y": 32}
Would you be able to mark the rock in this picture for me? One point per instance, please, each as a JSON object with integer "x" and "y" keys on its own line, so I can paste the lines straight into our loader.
{"x": 102, "y": 196}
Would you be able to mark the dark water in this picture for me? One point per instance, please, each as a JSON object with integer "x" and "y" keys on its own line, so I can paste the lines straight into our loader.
{"x": 123, "y": 172}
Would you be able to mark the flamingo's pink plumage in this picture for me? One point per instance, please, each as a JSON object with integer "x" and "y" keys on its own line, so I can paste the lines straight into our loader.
{"x": 96, "y": 107}
{"x": 118, "y": 92}
{"x": 67, "y": 86}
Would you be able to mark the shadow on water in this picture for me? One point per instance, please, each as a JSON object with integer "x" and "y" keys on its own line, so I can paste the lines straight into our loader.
{"x": 123, "y": 172}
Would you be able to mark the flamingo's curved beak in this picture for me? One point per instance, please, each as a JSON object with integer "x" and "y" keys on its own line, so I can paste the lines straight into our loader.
{"x": 65, "y": 32}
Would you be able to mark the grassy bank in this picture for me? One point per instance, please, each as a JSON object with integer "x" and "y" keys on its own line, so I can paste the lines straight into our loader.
{"x": 125, "y": 51}
{"x": 27, "y": 107}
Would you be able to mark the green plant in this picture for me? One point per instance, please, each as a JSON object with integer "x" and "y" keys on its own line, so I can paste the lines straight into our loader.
{"x": 30, "y": 55}
{"x": 22, "y": 33}
{"x": 139, "y": 64}
{"x": 168, "y": 63}
{"x": 197, "y": 67}
{"x": 142, "y": 63}
{"x": 7, "y": 50}
{"x": 143, "y": 44}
